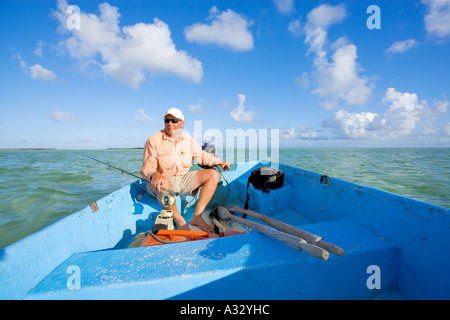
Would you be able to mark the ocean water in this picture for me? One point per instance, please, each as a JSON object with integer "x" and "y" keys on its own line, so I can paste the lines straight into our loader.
{"x": 39, "y": 187}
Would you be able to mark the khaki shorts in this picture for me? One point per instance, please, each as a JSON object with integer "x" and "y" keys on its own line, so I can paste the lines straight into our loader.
{"x": 181, "y": 184}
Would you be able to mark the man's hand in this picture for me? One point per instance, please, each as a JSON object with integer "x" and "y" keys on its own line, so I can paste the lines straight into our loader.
{"x": 225, "y": 165}
{"x": 158, "y": 181}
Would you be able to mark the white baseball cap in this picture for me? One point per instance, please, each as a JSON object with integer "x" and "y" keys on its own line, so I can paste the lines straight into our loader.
{"x": 175, "y": 112}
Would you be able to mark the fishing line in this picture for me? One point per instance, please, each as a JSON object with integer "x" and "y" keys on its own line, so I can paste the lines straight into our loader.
{"x": 110, "y": 165}
{"x": 114, "y": 167}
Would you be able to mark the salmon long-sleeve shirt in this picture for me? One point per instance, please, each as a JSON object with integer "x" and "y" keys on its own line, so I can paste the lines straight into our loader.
{"x": 173, "y": 158}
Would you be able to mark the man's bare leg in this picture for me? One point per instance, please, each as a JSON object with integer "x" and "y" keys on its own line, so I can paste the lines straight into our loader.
{"x": 206, "y": 179}
{"x": 179, "y": 220}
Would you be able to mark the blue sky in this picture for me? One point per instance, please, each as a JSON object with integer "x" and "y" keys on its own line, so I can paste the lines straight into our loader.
{"x": 313, "y": 70}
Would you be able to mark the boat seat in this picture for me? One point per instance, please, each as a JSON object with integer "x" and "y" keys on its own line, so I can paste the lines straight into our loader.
{"x": 210, "y": 269}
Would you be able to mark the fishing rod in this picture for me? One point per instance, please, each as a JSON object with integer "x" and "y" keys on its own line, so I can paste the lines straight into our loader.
{"x": 110, "y": 165}
{"x": 124, "y": 171}
{"x": 166, "y": 201}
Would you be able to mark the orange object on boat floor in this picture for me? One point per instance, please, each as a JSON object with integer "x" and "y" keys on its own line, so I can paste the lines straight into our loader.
{"x": 174, "y": 236}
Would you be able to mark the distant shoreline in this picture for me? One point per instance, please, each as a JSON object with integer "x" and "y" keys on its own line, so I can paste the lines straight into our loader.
{"x": 281, "y": 148}
{"x": 57, "y": 149}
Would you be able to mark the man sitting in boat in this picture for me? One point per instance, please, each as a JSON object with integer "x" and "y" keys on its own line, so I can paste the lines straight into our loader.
{"x": 168, "y": 156}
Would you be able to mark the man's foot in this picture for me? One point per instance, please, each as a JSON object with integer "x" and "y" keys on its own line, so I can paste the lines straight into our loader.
{"x": 181, "y": 224}
{"x": 199, "y": 222}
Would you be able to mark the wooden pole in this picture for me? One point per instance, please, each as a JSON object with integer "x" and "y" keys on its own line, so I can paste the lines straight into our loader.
{"x": 288, "y": 239}
{"x": 307, "y": 236}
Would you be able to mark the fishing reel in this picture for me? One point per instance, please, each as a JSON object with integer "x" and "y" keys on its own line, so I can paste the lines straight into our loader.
{"x": 168, "y": 199}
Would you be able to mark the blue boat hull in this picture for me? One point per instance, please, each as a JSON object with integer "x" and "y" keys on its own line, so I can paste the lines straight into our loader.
{"x": 395, "y": 247}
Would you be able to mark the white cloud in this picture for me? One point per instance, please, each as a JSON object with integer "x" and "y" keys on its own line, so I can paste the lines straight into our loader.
{"x": 291, "y": 134}
{"x": 441, "y": 105}
{"x": 227, "y": 29}
{"x": 337, "y": 79}
{"x": 142, "y": 117}
{"x": 437, "y": 19}
{"x": 37, "y": 71}
{"x": 285, "y": 6}
{"x": 402, "y": 46}
{"x": 39, "y": 50}
{"x": 130, "y": 53}
{"x": 22, "y": 62}
{"x": 303, "y": 81}
{"x": 401, "y": 119}
{"x": 195, "y": 108}
{"x": 446, "y": 130}
{"x": 239, "y": 114}
{"x": 326, "y": 15}
{"x": 295, "y": 27}
{"x": 404, "y": 112}
{"x": 58, "y": 116}
{"x": 40, "y": 73}
{"x": 352, "y": 125}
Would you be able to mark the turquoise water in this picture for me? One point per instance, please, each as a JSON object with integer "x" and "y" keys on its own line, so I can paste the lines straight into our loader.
{"x": 39, "y": 187}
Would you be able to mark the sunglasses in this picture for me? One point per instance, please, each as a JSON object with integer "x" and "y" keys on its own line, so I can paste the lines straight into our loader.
{"x": 171, "y": 120}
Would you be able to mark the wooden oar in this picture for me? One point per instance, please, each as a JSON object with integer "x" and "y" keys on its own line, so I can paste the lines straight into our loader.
{"x": 288, "y": 239}
{"x": 309, "y": 237}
